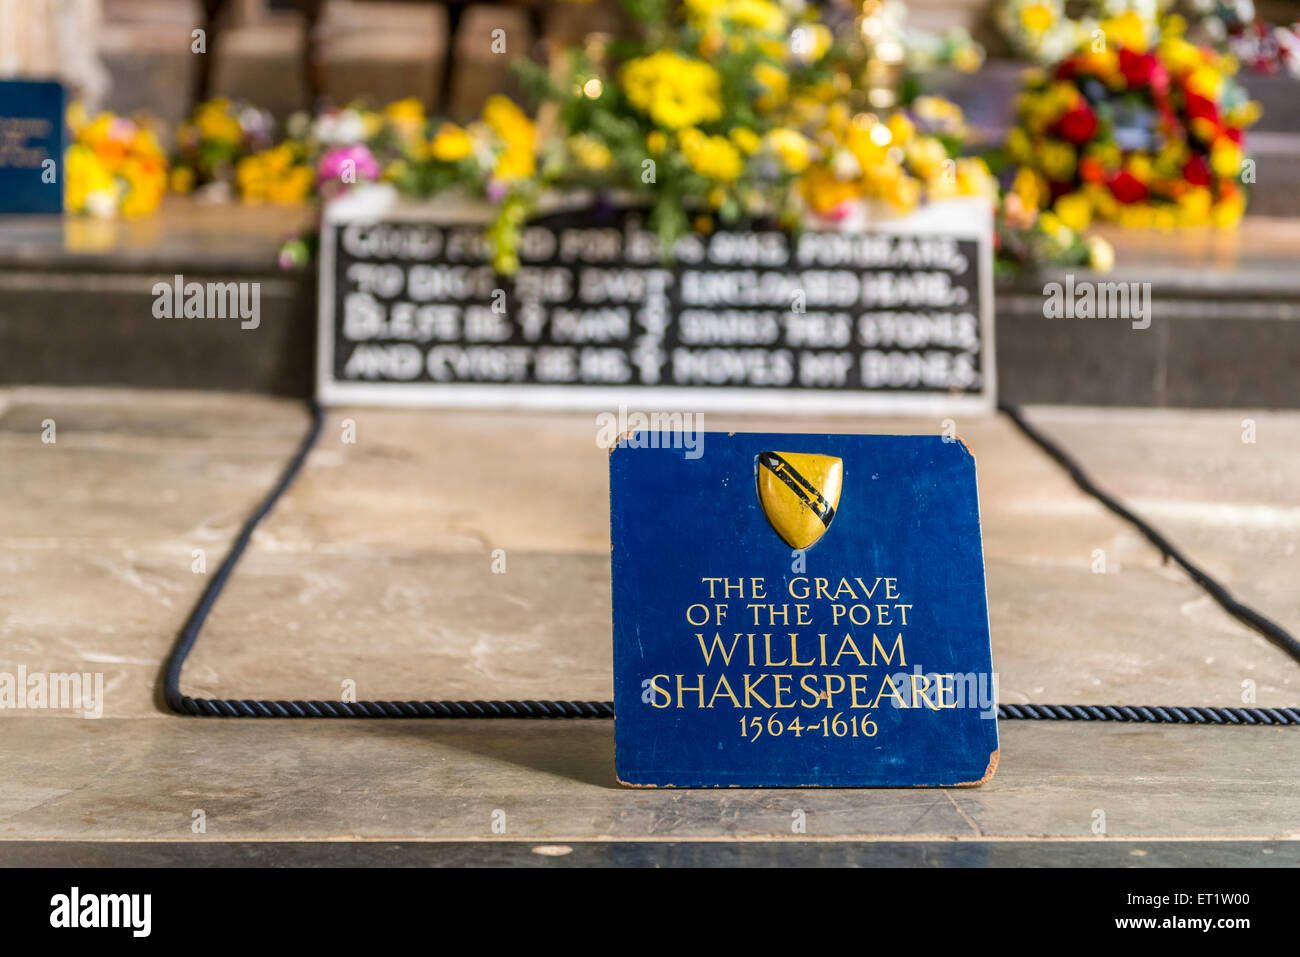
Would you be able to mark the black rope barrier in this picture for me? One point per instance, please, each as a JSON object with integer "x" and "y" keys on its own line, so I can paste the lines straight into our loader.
{"x": 249, "y": 708}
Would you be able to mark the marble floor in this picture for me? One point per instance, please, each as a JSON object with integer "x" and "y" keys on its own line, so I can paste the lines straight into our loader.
{"x": 375, "y": 569}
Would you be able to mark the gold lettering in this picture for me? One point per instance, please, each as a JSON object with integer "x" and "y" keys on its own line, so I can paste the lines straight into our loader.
{"x": 751, "y": 690}
{"x": 717, "y": 646}
{"x": 794, "y": 653}
{"x": 889, "y": 658}
{"x": 656, "y": 690}
{"x": 851, "y": 645}
{"x": 780, "y": 690}
{"x": 925, "y": 683}
{"x": 895, "y": 694}
{"x": 724, "y": 683}
{"x": 684, "y": 688}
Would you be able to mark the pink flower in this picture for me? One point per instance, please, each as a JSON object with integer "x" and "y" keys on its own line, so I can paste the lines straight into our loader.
{"x": 347, "y": 165}
{"x": 840, "y": 211}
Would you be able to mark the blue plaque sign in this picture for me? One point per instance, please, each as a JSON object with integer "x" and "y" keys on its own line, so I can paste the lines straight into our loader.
{"x": 31, "y": 146}
{"x": 798, "y": 610}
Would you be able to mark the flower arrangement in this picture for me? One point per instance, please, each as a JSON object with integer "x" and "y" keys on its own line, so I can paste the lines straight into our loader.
{"x": 213, "y": 141}
{"x": 1042, "y": 30}
{"x": 1047, "y": 30}
{"x": 1144, "y": 130}
{"x": 1026, "y": 235}
{"x": 113, "y": 166}
{"x": 738, "y": 110}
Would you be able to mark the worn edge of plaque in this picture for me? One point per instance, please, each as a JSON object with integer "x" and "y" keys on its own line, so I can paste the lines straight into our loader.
{"x": 995, "y": 756}
{"x": 381, "y": 203}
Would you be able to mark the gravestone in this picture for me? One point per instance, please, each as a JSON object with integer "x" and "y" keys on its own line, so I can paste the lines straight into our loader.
{"x": 31, "y": 146}
{"x": 897, "y": 316}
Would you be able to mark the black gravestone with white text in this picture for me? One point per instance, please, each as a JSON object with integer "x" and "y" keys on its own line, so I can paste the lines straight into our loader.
{"x": 894, "y": 317}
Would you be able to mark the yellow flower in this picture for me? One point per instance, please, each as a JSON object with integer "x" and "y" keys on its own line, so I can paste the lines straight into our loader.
{"x": 291, "y": 188}
{"x": 746, "y": 140}
{"x": 1129, "y": 30}
{"x": 509, "y": 122}
{"x": 761, "y": 15}
{"x": 141, "y": 200}
{"x": 515, "y": 163}
{"x": 904, "y": 194}
{"x": 85, "y": 175}
{"x": 774, "y": 85}
{"x": 673, "y": 90}
{"x": 590, "y": 152}
{"x": 215, "y": 121}
{"x": 1137, "y": 216}
{"x": 927, "y": 156}
{"x": 1074, "y": 210}
{"x": 656, "y": 142}
{"x": 182, "y": 180}
{"x": 405, "y": 111}
{"x": 792, "y": 148}
{"x": 713, "y": 157}
{"x": 1225, "y": 157}
{"x": 1102, "y": 63}
{"x": 1203, "y": 128}
{"x": 1206, "y": 81}
{"x": 1227, "y": 212}
{"x": 451, "y": 144}
{"x": 1056, "y": 230}
{"x": 975, "y": 179}
{"x": 968, "y": 59}
{"x": 757, "y": 14}
{"x": 1057, "y": 160}
{"x": 1247, "y": 114}
{"x": 1029, "y": 186}
{"x": 901, "y": 129}
{"x": 1178, "y": 55}
{"x": 1194, "y": 206}
{"x": 1139, "y": 166}
{"x": 1019, "y": 147}
{"x": 1037, "y": 17}
{"x": 824, "y": 191}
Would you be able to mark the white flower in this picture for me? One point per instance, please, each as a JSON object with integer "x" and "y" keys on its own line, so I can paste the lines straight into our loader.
{"x": 845, "y": 165}
{"x": 102, "y": 203}
{"x": 345, "y": 126}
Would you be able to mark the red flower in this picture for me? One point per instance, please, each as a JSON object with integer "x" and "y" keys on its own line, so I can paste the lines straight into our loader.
{"x": 1136, "y": 67}
{"x": 1091, "y": 171}
{"x": 1196, "y": 171}
{"x": 1234, "y": 134}
{"x": 1159, "y": 79}
{"x": 1200, "y": 107}
{"x": 1127, "y": 188}
{"x": 1077, "y": 125}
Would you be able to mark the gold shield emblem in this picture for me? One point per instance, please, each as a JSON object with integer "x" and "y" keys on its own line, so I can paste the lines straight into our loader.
{"x": 799, "y": 493}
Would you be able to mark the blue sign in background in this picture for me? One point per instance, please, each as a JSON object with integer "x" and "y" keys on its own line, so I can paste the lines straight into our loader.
{"x": 909, "y": 511}
{"x": 31, "y": 132}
